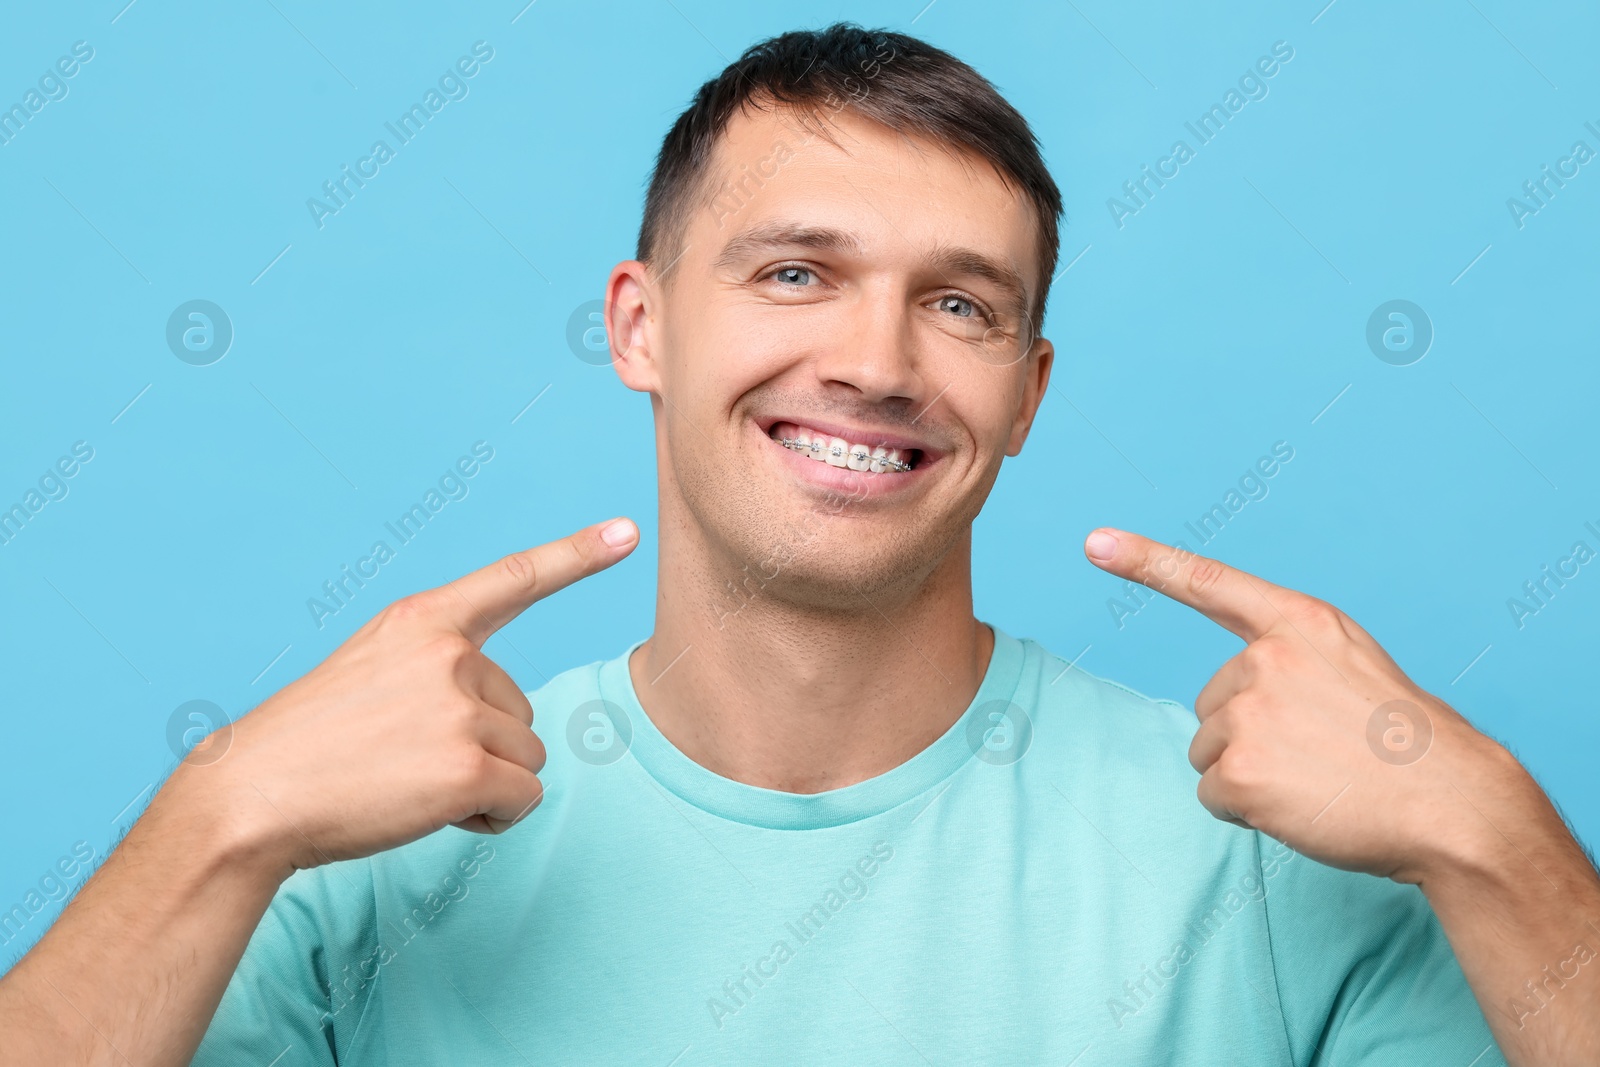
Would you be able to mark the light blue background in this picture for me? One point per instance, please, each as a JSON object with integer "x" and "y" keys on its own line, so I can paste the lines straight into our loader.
{"x": 1226, "y": 315}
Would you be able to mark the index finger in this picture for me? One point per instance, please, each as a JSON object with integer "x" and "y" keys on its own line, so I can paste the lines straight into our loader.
{"x": 1235, "y": 600}
{"x": 480, "y": 603}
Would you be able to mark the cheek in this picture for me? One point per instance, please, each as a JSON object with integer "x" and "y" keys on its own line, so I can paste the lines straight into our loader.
{"x": 721, "y": 358}
{"x": 716, "y": 338}
{"x": 988, "y": 406}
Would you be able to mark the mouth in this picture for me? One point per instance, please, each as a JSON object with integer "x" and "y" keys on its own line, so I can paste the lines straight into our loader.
{"x": 864, "y": 451}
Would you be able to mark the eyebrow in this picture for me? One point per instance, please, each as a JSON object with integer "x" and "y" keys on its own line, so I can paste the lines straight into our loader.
{"x": 784, "y": 234}
{"x": 946, "y": 259}
{"x": 954, "y": 259}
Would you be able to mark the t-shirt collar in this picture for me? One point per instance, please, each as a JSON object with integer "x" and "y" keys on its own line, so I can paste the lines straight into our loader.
{"x": 776, "y": 809}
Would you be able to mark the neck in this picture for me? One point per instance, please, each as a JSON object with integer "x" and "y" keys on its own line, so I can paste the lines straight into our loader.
{"x": 788, "y": 696}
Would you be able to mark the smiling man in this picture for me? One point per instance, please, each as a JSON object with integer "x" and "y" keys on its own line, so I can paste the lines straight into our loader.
{"x": 823, "y": 813}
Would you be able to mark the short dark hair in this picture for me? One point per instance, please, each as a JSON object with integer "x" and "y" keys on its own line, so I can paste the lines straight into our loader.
{"x": 890, "y": 78}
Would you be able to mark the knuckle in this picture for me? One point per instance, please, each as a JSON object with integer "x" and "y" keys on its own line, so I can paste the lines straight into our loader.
{"x": 461, "y": 717}
{"x": 1216, "y": 796}
{"x": 1205, "y": 575}
{"x": 1316, "y": 614}
{"x": 406, "y": 609}
{"x": 1266, "y": 656}
{"x": 522, "y": 571}
{"x": 1163, "y": 568}
{"x": 1226, "y": 718}
{"x": 1238, "y": 767}
{"x": 466, "y": 767}
{"x": 581, "y": 549}
{"x": 447, "y": 647}
{"x": 531, "y": 798}
{"x": 1245, "y": 710}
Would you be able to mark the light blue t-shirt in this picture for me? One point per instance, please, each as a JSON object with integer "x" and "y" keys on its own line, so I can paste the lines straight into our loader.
{"x": 1038, "y": 886}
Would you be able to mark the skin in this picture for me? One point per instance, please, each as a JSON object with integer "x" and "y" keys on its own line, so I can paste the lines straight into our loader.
{"x": 806, "y": 637}
{"x": 813, "y": 630}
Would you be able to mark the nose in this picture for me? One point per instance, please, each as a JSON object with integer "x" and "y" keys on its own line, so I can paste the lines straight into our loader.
{"x": 876, "y": 355}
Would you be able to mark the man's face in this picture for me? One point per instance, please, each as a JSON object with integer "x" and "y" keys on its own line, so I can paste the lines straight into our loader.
{"x": 864, "y": 301}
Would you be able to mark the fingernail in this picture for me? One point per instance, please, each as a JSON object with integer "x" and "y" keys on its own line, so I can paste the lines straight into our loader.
{"x": 1100, "y": 545}
{"x": 619, "y": 533}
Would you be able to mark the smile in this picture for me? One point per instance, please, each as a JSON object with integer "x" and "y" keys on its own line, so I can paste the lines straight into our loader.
{"x": 838, "y": 452}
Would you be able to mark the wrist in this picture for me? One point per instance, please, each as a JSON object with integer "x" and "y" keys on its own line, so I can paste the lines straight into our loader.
{"x": 1497, "y": 840}
{"x": 225, "y": 824}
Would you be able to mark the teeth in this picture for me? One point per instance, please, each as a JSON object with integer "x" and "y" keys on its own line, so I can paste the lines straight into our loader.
{"x": 838, "y": 452}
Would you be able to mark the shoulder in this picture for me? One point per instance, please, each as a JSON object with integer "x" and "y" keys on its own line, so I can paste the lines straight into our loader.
{"x": 1121, "y": 759}
{"x": 1104, "y": 722}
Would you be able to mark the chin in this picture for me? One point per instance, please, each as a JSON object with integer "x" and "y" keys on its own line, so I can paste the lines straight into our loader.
{"x": 831, "y": 564}
{"x": 815, "y": 547}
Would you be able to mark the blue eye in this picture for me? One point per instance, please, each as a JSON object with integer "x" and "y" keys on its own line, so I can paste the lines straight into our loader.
{"x": 788, "y": 275}
{"x": 946, "y": 302}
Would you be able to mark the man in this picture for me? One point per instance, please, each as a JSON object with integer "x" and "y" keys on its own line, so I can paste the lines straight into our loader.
{"x": 823, "y": 813}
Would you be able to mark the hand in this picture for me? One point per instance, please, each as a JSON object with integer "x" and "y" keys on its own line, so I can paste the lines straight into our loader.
{"x": 406, "y": 728}
{"x": 1313, "y": 735}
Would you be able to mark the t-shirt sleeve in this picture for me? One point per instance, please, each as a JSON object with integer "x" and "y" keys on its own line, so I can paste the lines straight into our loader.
{"x": 1364, "y": 971}
{"x": 295, "y": 998}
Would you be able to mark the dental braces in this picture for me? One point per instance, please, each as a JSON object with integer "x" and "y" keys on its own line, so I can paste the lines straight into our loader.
{"x": 792, "y": 443}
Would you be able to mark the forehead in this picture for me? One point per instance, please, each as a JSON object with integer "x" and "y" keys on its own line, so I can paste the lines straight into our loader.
{"x": 903, "y": 196}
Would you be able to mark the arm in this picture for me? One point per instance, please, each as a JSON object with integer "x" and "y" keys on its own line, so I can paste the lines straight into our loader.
{"x": 135, "y": 966}
{"x": 1520, "y": 904}
{"x": 1314, "y": 736}
{"x": 406, "y": 728}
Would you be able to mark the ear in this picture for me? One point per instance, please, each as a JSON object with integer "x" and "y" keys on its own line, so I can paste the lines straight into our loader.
{"x": 1036, "y": 378}
{"x": 631, "y": 298}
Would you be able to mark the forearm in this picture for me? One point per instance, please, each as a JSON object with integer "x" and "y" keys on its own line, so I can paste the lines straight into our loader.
{"x": 372, "y": 744}
{"x": 135, "y": 966}
{"x": 1522, "y": 911}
